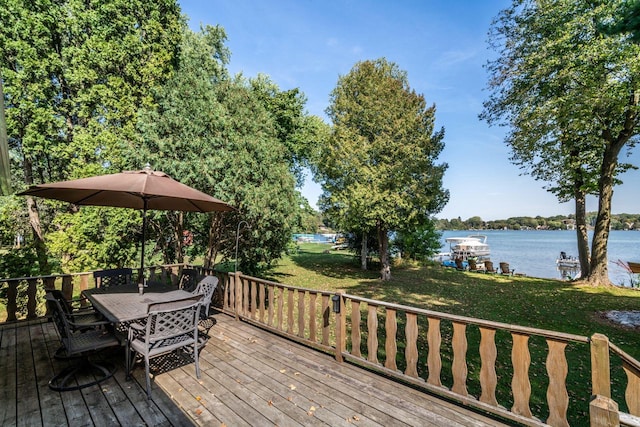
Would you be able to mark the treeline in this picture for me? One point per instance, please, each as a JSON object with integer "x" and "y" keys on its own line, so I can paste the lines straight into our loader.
{"x": 558, "y": 222}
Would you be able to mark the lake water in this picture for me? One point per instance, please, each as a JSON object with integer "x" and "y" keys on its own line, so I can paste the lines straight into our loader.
{"x": 534, "y": 252}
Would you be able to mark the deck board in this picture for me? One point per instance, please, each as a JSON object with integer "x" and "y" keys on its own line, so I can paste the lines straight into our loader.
{"x": 250, "y": 377}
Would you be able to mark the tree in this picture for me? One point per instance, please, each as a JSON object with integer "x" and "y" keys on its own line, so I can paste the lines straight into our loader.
{"x": 216, "y": 134}
{"x": 568, "y": 94}
{"x": 378, "y": 169}
{"x": 75, "y": 74}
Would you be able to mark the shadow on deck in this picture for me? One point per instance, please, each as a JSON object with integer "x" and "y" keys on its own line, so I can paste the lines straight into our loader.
{"x": 250, "y": 377}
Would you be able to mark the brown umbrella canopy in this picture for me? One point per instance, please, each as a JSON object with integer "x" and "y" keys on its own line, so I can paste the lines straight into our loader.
{"x": 145, "y": 189}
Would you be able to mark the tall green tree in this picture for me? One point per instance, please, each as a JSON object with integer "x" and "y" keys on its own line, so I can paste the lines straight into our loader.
{"x": 379, "y": 169}
{"x": 75, "y": 74}
{"x": 569, "y": 96}
{"x": 216, "y": 134}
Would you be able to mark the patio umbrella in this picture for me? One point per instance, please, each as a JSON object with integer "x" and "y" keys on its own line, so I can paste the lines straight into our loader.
{"x": 144, "y": 189}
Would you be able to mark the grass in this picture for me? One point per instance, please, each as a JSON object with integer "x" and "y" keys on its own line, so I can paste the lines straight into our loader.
{"x": 540, "y": 303}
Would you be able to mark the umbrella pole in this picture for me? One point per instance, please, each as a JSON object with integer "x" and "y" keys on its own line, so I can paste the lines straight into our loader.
{"x": 144, "y": 228}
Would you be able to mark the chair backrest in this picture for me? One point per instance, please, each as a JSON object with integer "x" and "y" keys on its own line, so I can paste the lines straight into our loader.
{"x": 59, "y": 296}
{"x": 188, "y": 279}
{"x": 504, "y": 267}
{"x": 207, "y": 287}
{"x": 113, "y": 277}
{"x": 59, "y": 318}
{"x": 488, "y": 265}
{"x": 163, "y": 325}
{"x": 174, "y": 304}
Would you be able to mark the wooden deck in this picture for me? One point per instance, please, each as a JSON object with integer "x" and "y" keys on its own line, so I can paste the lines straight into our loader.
{"x": 250, "y": 377}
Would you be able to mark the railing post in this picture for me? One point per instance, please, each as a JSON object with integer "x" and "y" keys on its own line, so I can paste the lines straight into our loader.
{"x": 600, "y": 368}
{"x": 603, "y": 411}
{"x": 341, "y": 328}
{"x": 237, "y": 281}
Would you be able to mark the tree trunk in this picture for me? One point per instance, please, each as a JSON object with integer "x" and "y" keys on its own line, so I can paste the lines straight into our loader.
{"x": 363, "y": 252}
{"x": 581, "y": 233}
{"x": 383, "y": 239}
{"x": 34, "y": 221}
{"x": 599, "y": 270}
{"x": 213, "y": 241}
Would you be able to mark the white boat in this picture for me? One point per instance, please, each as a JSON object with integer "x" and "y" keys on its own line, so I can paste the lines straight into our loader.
{"x": 473, "y": 246}
{"x": 567, "y": 261}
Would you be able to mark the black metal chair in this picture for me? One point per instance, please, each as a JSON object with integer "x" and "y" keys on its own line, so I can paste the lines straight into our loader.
{"x": 81, "y": 343}
{"x": 79, "y": 318}
{"x": 113, "y": 277}
{"x": 169, "y": 326}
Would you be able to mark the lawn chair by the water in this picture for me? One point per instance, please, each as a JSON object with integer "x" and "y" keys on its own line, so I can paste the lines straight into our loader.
{"x": 504, "y": 269}
{"x": 488, "y": 267}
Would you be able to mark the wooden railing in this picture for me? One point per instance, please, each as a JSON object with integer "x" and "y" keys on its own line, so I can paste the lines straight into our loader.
{"x": 478, "y": 363}
{"x": 431, "y": 350}
{"x": 72, "y": 284}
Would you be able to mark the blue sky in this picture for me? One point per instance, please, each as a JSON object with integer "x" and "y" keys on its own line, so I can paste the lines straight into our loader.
{"x": 441, "y": 44}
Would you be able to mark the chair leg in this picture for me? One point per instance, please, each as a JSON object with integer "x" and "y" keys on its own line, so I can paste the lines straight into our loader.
{"x": 97, "y": 372}
{"x": 148, "y": 375}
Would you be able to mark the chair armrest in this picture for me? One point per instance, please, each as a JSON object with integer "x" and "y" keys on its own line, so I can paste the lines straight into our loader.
{"x": 88, "y": 324}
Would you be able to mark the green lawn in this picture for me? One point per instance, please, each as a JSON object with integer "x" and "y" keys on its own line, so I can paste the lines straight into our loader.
{"x": 540, "y": 303}
{"x": 527, "y": 301}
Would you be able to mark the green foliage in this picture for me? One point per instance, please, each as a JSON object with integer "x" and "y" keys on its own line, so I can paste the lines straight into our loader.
{"x": 13, "y": 220}
{"x": 568, "y": 94}
{"x": 21, "y": 262}
{"x": 379, "y": 169}
{"x": 223, "y": 140}
{"x": 418, "y": 244}
{"x": 96, "y": 238}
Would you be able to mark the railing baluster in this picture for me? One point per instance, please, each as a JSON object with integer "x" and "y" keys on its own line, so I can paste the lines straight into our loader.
{"x": 281, "y": 308}
{"x": 301, "y": 311}
{"x": 32, "y": 288}
{"x": 326, "y": 320}
{"x": 411, "y": 351}
{"x": 312, "y": 316}
{"x": 67, "y": 286}
{"x": 632, "y": 392}
{"x": 488, "y": 377}
{"x": 390, "y": 346}
{"x": 356, "y": 337}
{"x": 372, "y": 337}
{"x": 557, "y": 395}
{"x": 245, "y": 297}
{"x": 12, "y": 300}
{"x": 290, "y": 296}
{"x": 254, "y": 299}
{"x": 520, "y": 384}
{"x": 459, "y": 366}
{"x": 271, "y": 304}
{"x": 261, "y": 301}
{"x": 434, "y": 362}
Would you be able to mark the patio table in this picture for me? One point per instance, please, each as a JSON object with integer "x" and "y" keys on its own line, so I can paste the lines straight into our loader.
{"x": 124, "y": 304}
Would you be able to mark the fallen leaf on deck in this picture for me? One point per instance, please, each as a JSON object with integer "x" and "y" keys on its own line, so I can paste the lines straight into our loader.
{"x": 282, "y": 371}
{"x": 296, "y": 373}
{"x": 292, "y": 387}
{"x": 270, "y": 403}
{"x": 198, "y": 398}
{"x": 313, "y": 408}
{"x": 198, "y": 411}
{"x": 356, "y": 418}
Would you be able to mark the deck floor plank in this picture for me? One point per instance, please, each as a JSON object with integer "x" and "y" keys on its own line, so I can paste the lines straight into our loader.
{"x": 311, "y": 395}
{"x": 250, "y": 377}
{"x": 8, "y": 356}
